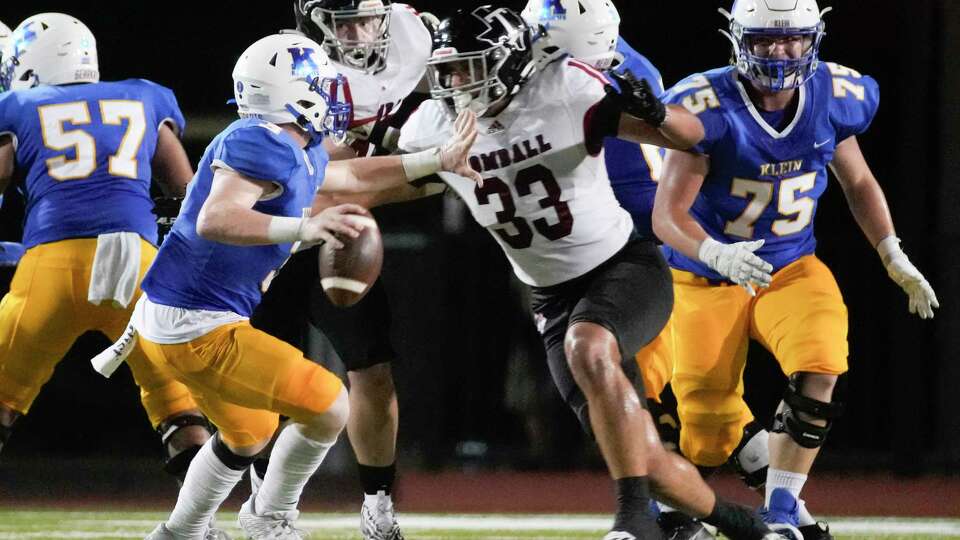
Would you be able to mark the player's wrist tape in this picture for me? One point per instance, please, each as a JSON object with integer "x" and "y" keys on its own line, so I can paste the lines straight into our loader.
{"x": 420, "y": 164}
{"x": 708, "y": 250}
{"x": 284, "y": 230}
{"x": 889, "y": 248}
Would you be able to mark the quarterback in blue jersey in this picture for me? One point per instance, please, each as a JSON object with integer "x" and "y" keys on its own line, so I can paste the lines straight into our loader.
{"x": 247, "y": 206}
{"x": 86, "y": 151}
{"x": 739, "y": 211}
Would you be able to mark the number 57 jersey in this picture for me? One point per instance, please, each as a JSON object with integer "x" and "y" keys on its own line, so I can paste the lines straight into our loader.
{"x": 89, "y": 147}
{"x": 768, "y": 170}
{"x": 546, "y": 197}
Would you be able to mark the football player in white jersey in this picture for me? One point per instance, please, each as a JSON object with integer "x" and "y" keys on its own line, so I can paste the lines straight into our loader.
{"x": 382, "y": 49}
{"x": 599, "y": 291}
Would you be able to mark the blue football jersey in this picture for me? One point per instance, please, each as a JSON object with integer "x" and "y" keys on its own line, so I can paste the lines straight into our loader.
{"x": 85, "y": 151}
{"x": 195, "y": 273}
{"x": 765, "y": 182}
{"x": 634, "y": 169}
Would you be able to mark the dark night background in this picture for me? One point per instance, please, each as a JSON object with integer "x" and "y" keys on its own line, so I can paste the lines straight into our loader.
{"x": 471, "y": 367}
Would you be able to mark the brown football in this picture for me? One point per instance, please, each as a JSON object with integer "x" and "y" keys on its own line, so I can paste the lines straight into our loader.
{"x": 346, "y": 274}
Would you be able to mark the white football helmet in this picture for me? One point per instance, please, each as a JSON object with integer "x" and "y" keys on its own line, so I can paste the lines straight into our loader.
{"x": 587, "y": 29}
{"x": 49, "y": 48}
{"x": 287, "y": 78}
{"x": 770, "y": 19}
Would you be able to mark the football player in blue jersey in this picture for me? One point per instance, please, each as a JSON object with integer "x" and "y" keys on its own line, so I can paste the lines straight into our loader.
{"x": 245, "y": 209}
{"x": 737, "y": 214}
{"x": 87, "y": 151}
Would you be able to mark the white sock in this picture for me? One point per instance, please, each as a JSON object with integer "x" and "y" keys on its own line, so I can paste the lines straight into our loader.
{"x": 294, "y": 460}
{"x": 665, "y": 508}
{"x": 790, "y": 481}
{"x": 207, "y": 485}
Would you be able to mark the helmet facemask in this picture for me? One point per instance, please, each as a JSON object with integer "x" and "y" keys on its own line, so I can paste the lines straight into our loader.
{"x": 366, "y": 53}
{"x": 327, "y": 116}
{"x": 481, "y": 70}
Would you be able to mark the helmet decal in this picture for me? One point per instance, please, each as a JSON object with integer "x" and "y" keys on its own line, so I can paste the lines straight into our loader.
{"x": 303, "y": 63}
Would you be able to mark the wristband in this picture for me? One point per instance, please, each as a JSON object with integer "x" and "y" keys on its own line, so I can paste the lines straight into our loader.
{"x": 284, "y": 230}
{"x": 888, "y": 248}
{"x": 420, "y": 164}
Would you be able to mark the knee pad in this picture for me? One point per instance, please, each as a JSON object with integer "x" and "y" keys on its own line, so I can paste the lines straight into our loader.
{"x": 668, "y": 425}
{"x": 178, "y": 462}
{"x": 751, "y": 458}
{"x": 228, "y": 458}
{"x": 788, "y": 420}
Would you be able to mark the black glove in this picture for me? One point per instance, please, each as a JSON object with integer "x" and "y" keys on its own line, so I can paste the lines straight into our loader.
{"x": 636, "y": 98}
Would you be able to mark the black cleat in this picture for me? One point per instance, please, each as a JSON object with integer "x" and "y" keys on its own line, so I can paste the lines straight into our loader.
{"x": 818, "y": 531}
{"x": 679, "y": 526}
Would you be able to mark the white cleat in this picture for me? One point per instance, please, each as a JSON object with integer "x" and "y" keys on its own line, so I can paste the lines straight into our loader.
{"x": 269, "y": 525}
{"x": 161, "y": 532}
{"x": 378, "y": 521}
{"x": 619, "y": 535}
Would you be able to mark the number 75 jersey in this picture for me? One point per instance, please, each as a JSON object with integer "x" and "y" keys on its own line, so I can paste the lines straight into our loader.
{"x": 84, "y": 152}
{"x": 765, "y": 182}
{"x": 546, "y": 197}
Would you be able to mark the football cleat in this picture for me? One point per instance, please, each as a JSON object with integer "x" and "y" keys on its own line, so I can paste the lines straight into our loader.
{"x": 679, "y": 526}
{"x": 781, "y": 514}
{"x": 817, "y": 531}
{"x": 161, "y": 532}
{"x": 272, "y": 525}
{"x": 619, "y": 535}
{"x": 377, "y": 518}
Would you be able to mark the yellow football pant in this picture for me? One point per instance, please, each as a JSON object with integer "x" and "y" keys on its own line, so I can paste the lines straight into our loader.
{"x": 46, "y": 310}
{"x": 801, "y": 319}
{"x": 242, "y": 377}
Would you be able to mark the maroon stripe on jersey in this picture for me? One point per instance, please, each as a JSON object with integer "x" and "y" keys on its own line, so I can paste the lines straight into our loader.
{"x": 589, "y": 71}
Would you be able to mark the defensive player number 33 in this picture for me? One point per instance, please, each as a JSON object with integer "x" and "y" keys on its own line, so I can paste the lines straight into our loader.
{"x": 526, "y": 178}
{"x": 83, "y": 145}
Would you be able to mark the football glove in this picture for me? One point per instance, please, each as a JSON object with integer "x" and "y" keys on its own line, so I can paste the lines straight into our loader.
{"x": 636, "y": 98}
{"x": 922, "y": 298}
{"x": 737, "y": 263}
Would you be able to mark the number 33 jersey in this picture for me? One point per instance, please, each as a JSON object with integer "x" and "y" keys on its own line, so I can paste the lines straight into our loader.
{"x": 546, "y": 197}
{"x": 765, "y": 178}
{"x": 84, "y": 151}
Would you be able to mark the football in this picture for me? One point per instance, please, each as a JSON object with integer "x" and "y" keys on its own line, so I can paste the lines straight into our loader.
{"x": 346, "y": 274}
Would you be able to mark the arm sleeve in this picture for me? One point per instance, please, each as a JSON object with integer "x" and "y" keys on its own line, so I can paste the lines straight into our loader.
{"x": 258, "y": 152}
{"x": 849, "y": 114}
{"x": 696, "y": 89}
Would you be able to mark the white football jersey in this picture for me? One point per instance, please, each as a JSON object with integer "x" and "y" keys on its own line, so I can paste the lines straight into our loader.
{"x": 545, "y": 198}
{"x": 376, "y": 96}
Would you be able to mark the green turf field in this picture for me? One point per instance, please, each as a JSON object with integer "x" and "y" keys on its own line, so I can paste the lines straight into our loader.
{"x": 16, "y": 525}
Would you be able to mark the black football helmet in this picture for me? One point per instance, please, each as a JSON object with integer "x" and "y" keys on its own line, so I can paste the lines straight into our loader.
{"x": 481, "y": 56}
{"x": 320, "y": 19}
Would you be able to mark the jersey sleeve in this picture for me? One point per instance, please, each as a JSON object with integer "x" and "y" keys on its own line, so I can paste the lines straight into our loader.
{"x": 583, "y": 88}
{"x": 854, "y": 103}
{"x": 696, "y": 94}
{"x": 166, "y": 107}
{"x": 258, "y": 152}
{"x": 424, "y": 128}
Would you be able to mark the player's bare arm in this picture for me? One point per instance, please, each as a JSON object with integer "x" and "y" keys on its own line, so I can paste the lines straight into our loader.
{"x": 864, "y": 195}
{"x": 171, "y": 166}
{"x": 682, "y": 177}
{"x": 366, "y": 175}
{"x": 869, "y": 207}
{"x": 647, "y": 120}
{"x": 227, "y": 216}
{"x": 6, "y": 161}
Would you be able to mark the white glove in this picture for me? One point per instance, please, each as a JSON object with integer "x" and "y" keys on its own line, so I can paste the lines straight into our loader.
{"x": 737, "y": 262}
{"x": 906, "y": 275}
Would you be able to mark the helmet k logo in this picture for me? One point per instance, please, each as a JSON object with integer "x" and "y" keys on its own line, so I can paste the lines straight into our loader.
{"x": 303, "y": 63}
{"x": 552, "y": 10}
